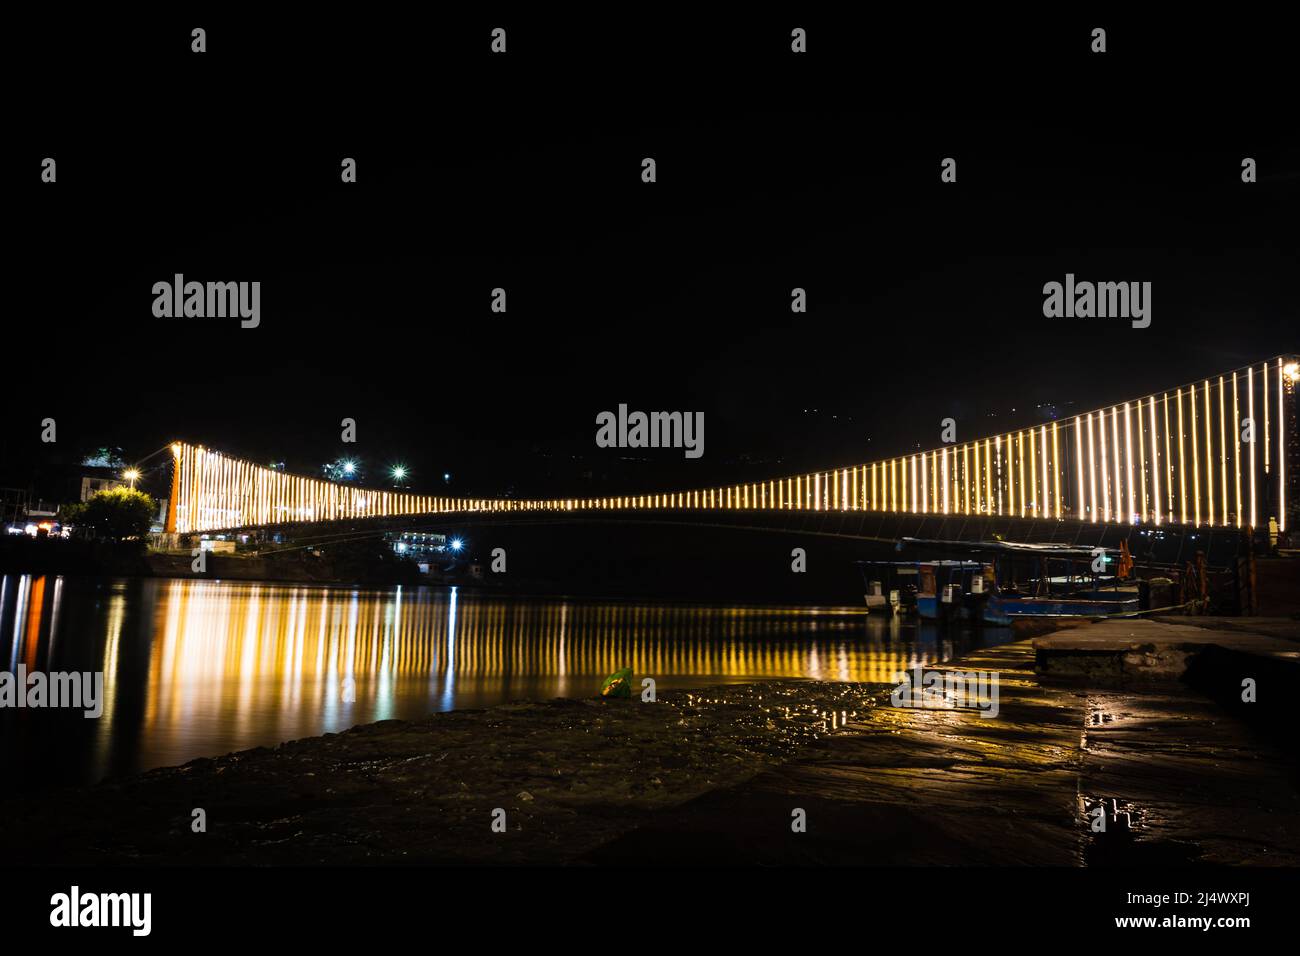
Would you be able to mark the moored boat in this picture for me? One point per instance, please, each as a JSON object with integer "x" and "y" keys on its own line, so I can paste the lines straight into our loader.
{"x": 997, "y": 583}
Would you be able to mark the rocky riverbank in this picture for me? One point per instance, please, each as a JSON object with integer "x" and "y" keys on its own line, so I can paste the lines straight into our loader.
{"x": 718, "y": 776}
{"x": 568, "y": 774}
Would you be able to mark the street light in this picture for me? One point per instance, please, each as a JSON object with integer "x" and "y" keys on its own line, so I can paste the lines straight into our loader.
{"x": 131, "y": 475}
{"x": 398, "y": 473}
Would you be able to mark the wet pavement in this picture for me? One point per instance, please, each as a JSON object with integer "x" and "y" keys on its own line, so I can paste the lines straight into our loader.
{"x": 1178, "y": 781}
{"x": 904, "y": 786}
{"x": 1193, "y": 784}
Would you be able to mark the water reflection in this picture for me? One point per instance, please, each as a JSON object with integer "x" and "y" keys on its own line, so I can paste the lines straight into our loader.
{"x": 199, "y": 668}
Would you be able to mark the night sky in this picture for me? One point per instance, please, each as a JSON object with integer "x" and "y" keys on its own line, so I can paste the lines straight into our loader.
{"x": 523, "y": 171}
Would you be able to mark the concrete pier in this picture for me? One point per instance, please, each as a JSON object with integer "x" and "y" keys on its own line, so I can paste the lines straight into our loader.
{"x": 1160, "y": 649}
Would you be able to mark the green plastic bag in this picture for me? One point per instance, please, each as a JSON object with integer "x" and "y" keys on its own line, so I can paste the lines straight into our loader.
{"x": 618, "y": 684}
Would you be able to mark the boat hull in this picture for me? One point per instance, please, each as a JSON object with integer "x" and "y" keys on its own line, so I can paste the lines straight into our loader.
{"x": 1003, "y": 611}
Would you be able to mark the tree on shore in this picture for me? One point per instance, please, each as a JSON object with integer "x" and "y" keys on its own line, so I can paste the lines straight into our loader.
{"x": 116, "y": 515}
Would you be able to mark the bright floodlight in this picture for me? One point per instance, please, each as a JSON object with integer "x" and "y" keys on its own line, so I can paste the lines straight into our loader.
{"x": 131, "y": 474}
{"x": 457, "y": 544}
{"x": 399, "y": 472}
{"x": 348, "y": 468}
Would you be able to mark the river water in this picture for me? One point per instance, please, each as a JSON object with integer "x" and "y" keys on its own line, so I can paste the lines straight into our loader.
{"x": 201, "y": 668}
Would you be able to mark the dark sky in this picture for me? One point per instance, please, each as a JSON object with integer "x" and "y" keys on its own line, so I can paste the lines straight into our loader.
{"x": 523, "y": 171}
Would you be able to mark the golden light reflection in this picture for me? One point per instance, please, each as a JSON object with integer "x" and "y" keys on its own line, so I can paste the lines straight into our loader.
{"x": 206, "y": 667}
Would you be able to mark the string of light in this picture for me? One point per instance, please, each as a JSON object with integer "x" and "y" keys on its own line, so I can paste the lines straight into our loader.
{"x": 1114, "y": 464}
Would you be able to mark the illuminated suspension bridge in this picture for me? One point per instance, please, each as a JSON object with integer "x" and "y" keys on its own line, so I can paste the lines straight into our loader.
{"x": 1209, "y": 453}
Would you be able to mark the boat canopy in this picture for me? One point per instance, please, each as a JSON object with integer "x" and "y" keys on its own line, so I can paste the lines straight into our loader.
{"x": 1009, "y": 547}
